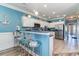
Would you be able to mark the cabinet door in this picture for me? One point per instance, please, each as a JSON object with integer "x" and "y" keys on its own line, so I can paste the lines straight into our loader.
{"x": 28, "y": 22}
{"x": 42, "y": 23}
{"x": 31, "y": 20}
{"x": 50, "y": 25}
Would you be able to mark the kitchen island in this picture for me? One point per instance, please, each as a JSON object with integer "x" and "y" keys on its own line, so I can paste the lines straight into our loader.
{"x": 44, "y": 39}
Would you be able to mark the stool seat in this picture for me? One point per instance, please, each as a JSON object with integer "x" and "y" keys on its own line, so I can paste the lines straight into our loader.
{"x": 23, "y": 42}
{"x": 33, "y": 44}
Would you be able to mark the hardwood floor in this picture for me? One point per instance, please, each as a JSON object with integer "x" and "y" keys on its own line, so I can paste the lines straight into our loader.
{"x": 60, "y": 48}
{"x": 15, "y": 52}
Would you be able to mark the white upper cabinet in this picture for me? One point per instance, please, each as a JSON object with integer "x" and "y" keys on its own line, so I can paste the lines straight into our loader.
{"x": 27, "y": 22}
{"x": 53, "y": 24}
{"x": 42, "y": 23}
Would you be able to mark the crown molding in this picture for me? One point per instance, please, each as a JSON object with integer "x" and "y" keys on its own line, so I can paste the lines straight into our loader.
{"x": 18, "y": 9}
{"x": 12, "y": 7}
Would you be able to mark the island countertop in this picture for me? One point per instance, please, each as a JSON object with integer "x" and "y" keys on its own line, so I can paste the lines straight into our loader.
{"x": 40, "y": 32}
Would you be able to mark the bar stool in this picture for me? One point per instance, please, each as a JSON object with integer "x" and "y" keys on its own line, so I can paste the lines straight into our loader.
{"x": 33, "y": 44}
{"x": 23, "y": 42}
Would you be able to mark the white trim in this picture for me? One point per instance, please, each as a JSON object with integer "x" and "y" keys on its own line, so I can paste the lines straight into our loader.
{"x": 18, "y": 9}
{"x": 12, "y": 7}
{"x": 51, "y": 41}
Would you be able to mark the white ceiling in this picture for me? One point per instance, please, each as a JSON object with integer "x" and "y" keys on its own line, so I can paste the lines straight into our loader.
{"x": 60, "y": 8}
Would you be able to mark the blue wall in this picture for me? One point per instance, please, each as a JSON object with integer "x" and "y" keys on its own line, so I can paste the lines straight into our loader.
{"x": 14, "y": 18}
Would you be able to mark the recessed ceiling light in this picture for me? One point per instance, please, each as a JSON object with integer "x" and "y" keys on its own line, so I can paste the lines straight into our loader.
{"x": 43, "y": 15}
{"x": 64, "y": 15}
{"x": 29, "y": 16}
{"x": 36, "y": 13}
{"x": 45, "y": 5}
{"x": 53, "y": 12}
{"x": 34, "y": 10}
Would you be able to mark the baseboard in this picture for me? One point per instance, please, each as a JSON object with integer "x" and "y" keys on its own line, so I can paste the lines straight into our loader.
{"x": 7, "y": 50}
